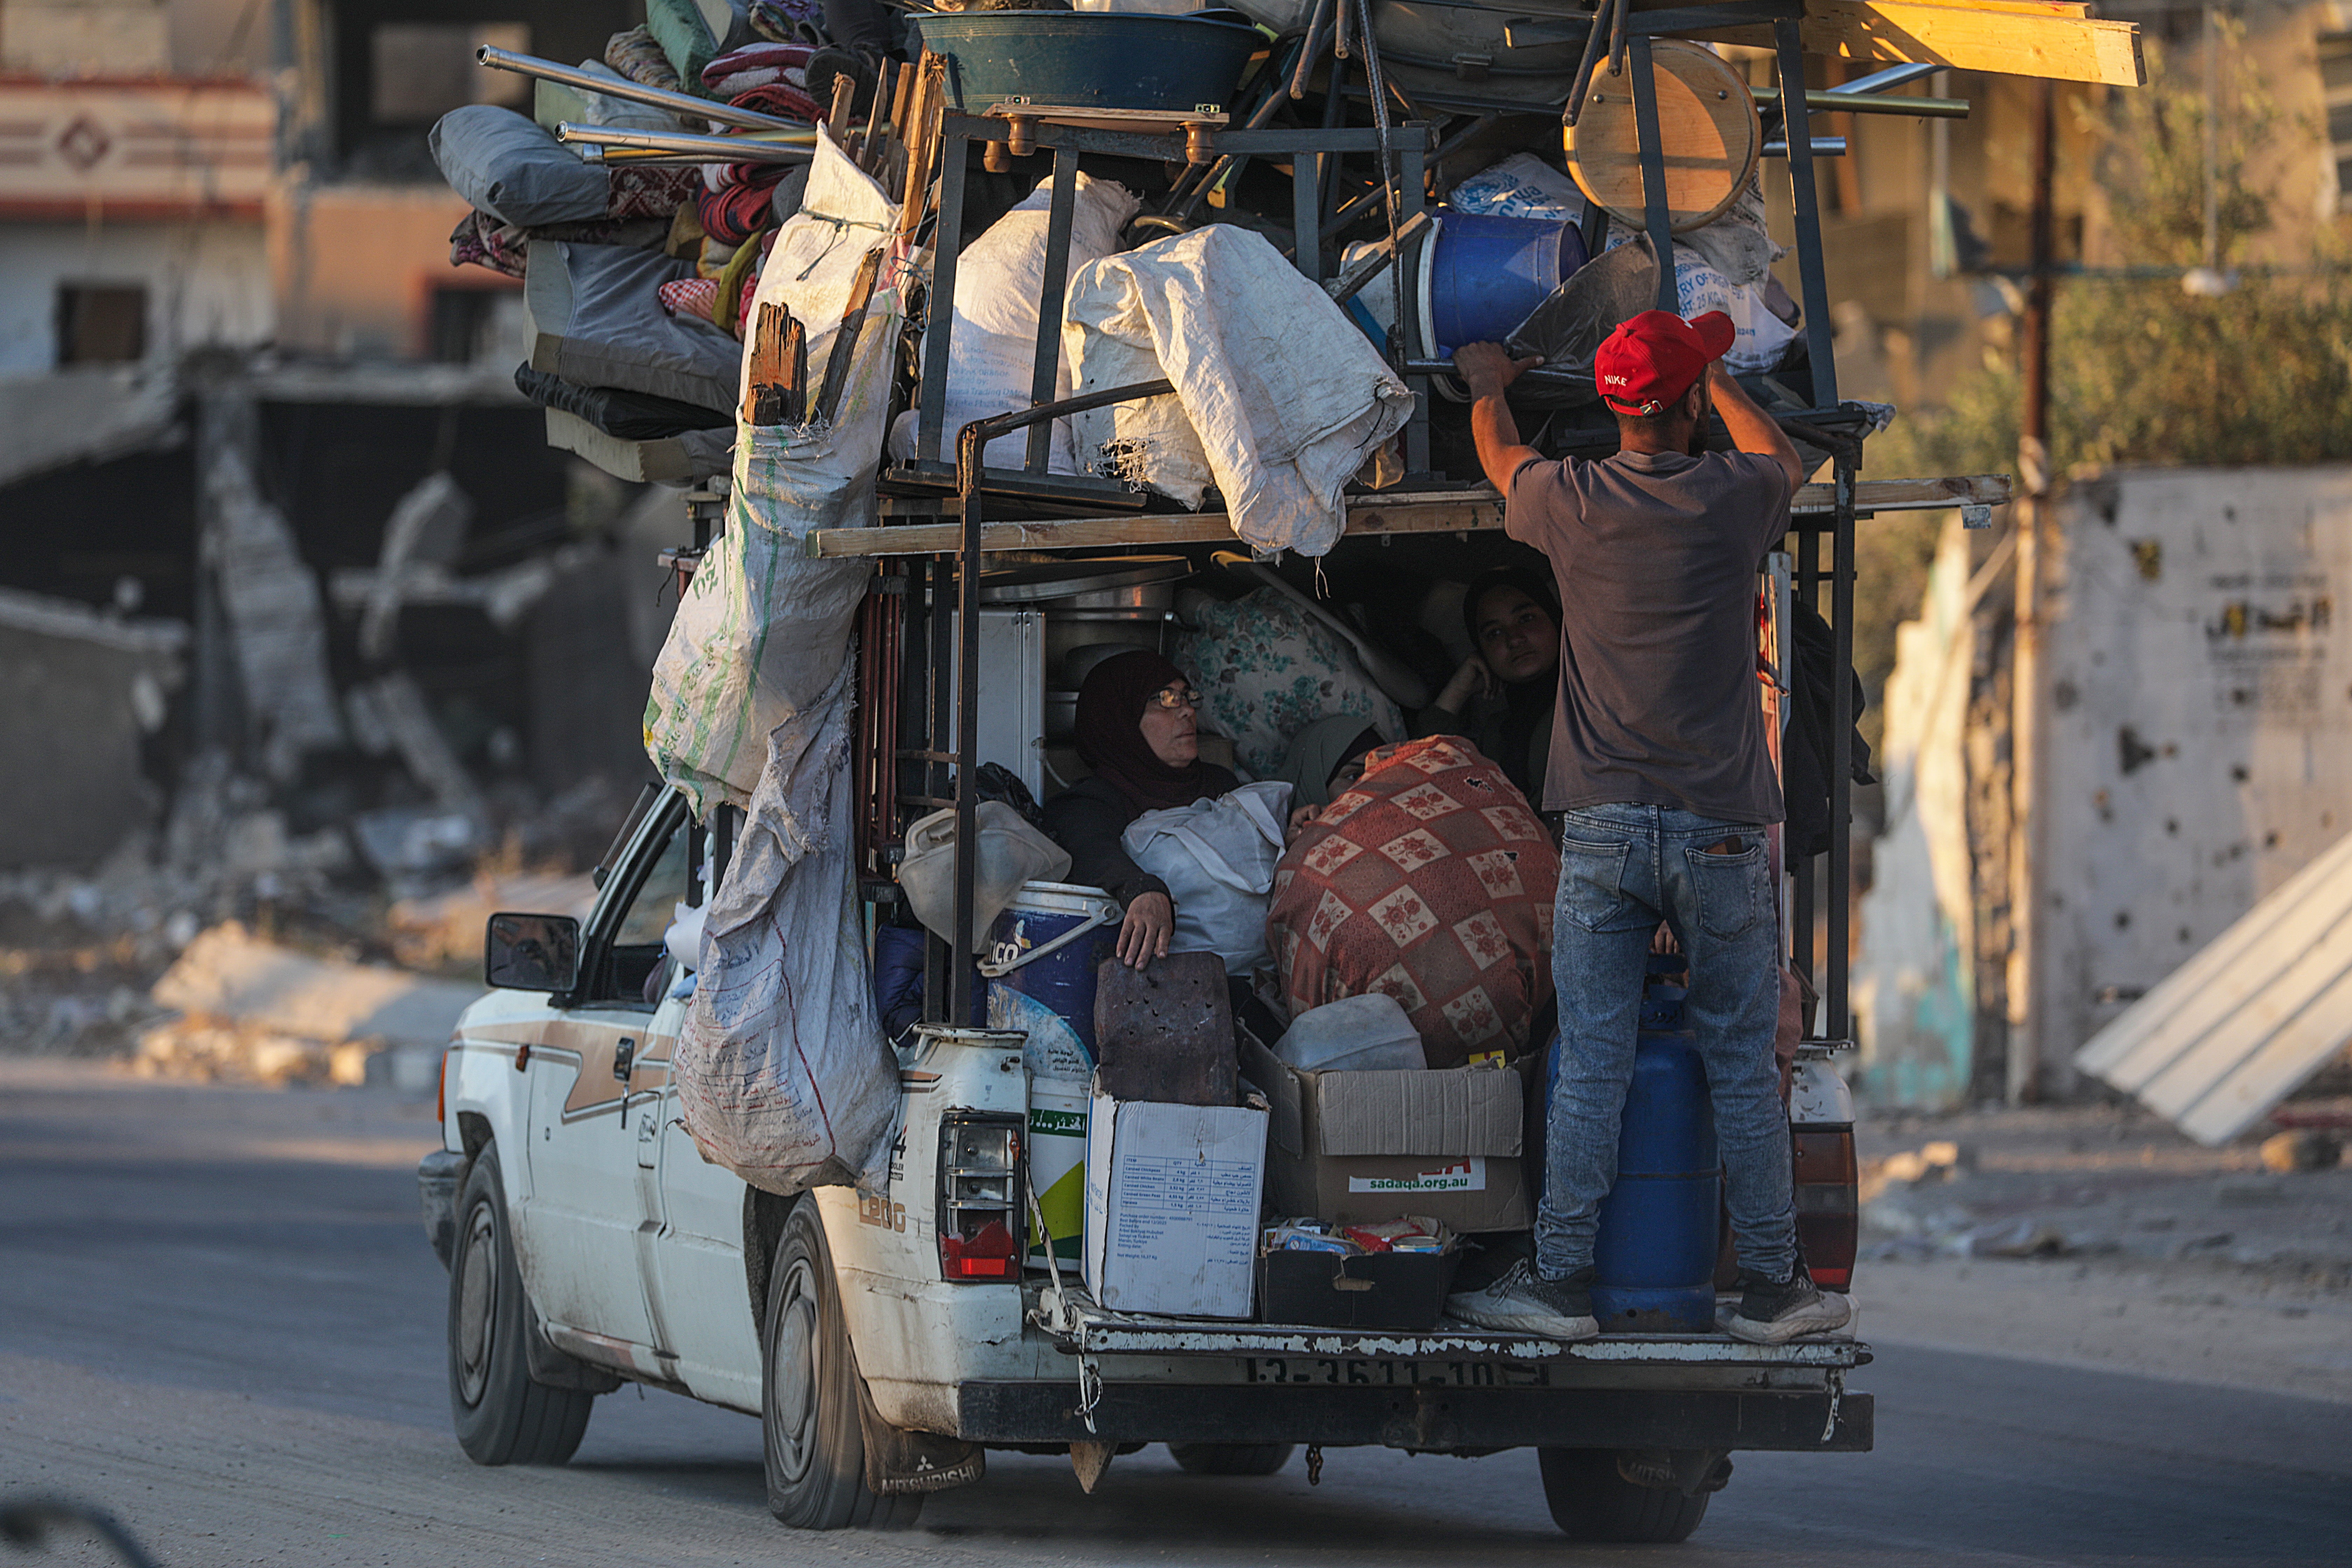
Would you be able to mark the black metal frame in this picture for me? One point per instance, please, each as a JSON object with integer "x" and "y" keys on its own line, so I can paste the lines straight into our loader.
{"x": 1828, "y": 423}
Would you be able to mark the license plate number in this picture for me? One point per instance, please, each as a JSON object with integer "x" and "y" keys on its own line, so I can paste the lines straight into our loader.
{"x": 1384, "y": 1373}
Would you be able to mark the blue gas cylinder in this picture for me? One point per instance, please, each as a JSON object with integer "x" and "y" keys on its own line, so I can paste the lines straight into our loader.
{"x": 1654, "y": 1260}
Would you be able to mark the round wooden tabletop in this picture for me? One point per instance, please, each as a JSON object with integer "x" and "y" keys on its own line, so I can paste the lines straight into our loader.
{"x": 1707, "y": 131}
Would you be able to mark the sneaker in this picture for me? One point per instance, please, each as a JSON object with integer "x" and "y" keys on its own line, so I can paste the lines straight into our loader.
{"x": 1773, "y": 1313}
{"x": 1521, "y": 1302}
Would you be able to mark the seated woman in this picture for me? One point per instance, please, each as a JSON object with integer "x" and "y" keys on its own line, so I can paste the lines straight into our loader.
{"x": 1503, "y": 697}
{"x": 1138, "y": 729}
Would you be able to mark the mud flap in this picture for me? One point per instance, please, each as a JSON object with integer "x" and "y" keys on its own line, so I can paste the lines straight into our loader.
{"x": 552, "y": 1368}
{"x": 898, "y": 1460}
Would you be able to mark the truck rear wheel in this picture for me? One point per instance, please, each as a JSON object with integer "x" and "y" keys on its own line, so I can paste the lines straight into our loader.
{"x": 502, "y": 1416}
{"x": 1231, "y": 1459}
{"x": 1589, "y": 1500}
{"x": 815, "y": 1450}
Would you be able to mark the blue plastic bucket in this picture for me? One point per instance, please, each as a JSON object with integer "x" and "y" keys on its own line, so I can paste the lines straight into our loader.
{"x": 1481, "y": 276}
{"x": 1043, "y": 953}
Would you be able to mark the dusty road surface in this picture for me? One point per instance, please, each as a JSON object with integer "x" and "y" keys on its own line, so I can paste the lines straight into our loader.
{"x": 219, "y": 1320}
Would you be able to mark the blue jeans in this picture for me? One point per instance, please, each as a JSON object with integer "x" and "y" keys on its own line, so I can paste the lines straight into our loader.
{"x": 1623, "y": 869}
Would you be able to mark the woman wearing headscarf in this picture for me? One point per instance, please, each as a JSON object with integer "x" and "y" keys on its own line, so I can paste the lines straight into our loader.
{"x": 1503, "y": 697}
{"x": 1318, "y": 766}
{"x": 1138, "y": 729}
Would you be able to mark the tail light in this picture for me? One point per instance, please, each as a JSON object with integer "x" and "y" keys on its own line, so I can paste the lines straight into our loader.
{"x": 984, "y": 1233}
{"x": 1827, "y": 1212}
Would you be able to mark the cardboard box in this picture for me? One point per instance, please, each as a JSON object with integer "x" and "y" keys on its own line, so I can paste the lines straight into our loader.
{"x": 1360, "y": 1291}
{"x": 1172, "y": 1195}
{"x": 1353, "y": 1147}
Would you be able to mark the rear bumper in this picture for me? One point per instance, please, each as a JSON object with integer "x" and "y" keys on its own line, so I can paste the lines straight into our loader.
{"x": 440, "y": 1177}
{"x": 1432, "y": 1419}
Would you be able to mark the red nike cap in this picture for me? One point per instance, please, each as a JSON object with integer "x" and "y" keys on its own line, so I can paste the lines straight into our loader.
{"x": 1652, "y": 360}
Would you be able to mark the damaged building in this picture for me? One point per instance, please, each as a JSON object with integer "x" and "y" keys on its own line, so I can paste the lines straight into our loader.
{"x": 282, "y": 541}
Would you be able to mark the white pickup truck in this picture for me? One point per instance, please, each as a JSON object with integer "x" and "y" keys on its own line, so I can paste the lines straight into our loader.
{"x": 589, "y": 1243}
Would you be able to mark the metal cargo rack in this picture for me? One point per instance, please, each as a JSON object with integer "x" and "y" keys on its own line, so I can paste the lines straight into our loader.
{"x": 920, "y": 770}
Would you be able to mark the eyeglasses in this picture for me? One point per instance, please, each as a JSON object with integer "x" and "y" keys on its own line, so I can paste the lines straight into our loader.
{"x": 1172, "y": 698}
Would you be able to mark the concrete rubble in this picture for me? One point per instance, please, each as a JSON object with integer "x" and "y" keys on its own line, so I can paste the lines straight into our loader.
{"x": 250, "y": 1008}
{"x": 2104, "y": 1187}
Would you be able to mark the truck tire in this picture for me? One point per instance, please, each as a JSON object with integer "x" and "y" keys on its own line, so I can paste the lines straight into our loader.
{"x": 1590, "y": 1502}
{"x": 502, "y": 1416}
{"x": 814, "y": 1449}
{"x": 1231, "y": 1459}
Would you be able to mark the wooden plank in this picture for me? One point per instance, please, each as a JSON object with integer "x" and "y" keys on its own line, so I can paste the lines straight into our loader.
{"x": 2012, "y": 39}
{"x": 1448, "y": 511}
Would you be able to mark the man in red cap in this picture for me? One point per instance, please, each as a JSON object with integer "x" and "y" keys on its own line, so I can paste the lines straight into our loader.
{"x": 1659, "y": 765}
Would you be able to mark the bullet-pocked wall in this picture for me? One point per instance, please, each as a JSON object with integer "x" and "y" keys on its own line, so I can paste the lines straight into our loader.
{"x": 2199, "y": 739}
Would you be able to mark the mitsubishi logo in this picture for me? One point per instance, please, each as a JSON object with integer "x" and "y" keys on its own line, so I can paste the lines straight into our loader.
{"x": 83, "y": 144}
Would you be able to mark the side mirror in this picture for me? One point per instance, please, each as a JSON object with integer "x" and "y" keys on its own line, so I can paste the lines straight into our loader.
{"x": 531, "y": 952}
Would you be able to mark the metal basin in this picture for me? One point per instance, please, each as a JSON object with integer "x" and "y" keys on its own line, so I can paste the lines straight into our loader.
{"x": 1083, "y": 59}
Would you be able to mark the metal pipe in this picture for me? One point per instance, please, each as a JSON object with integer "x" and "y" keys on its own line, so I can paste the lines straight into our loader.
{"x": 1823, "y": 147}
{"x": 709, "y": 149}
{"x": 632, "y": 91}
{"x": 1834, "y": 101}
{"x": 1593, "y": 39}
{"x": 1890, "y": 77}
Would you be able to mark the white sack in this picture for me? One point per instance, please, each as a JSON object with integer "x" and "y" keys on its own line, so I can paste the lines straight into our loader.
{"x": 1000, "y": 285}
{"x": 761, "y": 630}
{"x": 1278, "y": 397}
{"x": 1521, "y": 185}
{"x": 782, "y": 1074}
{"x": 1218, "y": 858}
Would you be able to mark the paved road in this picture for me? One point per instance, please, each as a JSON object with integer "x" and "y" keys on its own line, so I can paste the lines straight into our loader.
{"x": 218, "y": 1318}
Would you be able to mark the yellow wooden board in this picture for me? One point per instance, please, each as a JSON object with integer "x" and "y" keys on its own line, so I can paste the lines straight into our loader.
{"x": 1708, "y": 131}
{"x": 2005, "y": 38}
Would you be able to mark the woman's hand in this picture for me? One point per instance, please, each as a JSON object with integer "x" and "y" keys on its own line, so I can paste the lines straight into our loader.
{"x": 1143, "y": 935}
{"x": 1469, "y": 683}
{"x": 1302, "y": 816}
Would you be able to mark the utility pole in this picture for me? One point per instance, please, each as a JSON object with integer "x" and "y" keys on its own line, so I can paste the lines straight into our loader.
{"x": 2025, "y": 1014}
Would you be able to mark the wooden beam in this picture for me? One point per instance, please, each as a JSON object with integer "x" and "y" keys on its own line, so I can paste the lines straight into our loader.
{"x": 2006, "y": 38}
{"x": 1453, "y": 511}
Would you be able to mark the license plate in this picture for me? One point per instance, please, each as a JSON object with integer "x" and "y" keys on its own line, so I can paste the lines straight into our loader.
{"x": 1384, "y": 1373}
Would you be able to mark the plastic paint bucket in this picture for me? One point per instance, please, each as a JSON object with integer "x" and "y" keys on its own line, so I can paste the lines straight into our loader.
{"x": 1042, "y": 955}
{"x": 1058, "y": 1165}
{"x": 1482, "y": 275}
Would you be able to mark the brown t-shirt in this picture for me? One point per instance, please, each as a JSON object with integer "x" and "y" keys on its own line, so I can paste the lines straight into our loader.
{"x": 1656, "y": 556}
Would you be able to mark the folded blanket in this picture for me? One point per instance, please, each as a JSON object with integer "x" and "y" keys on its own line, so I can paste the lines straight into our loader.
{"x": 783, "y": 98}
{"x": 734, "y": 215}
{"x": 639, "y": 190}
{"x": 755, "y": 56}
{"x": 635, "y": 56}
